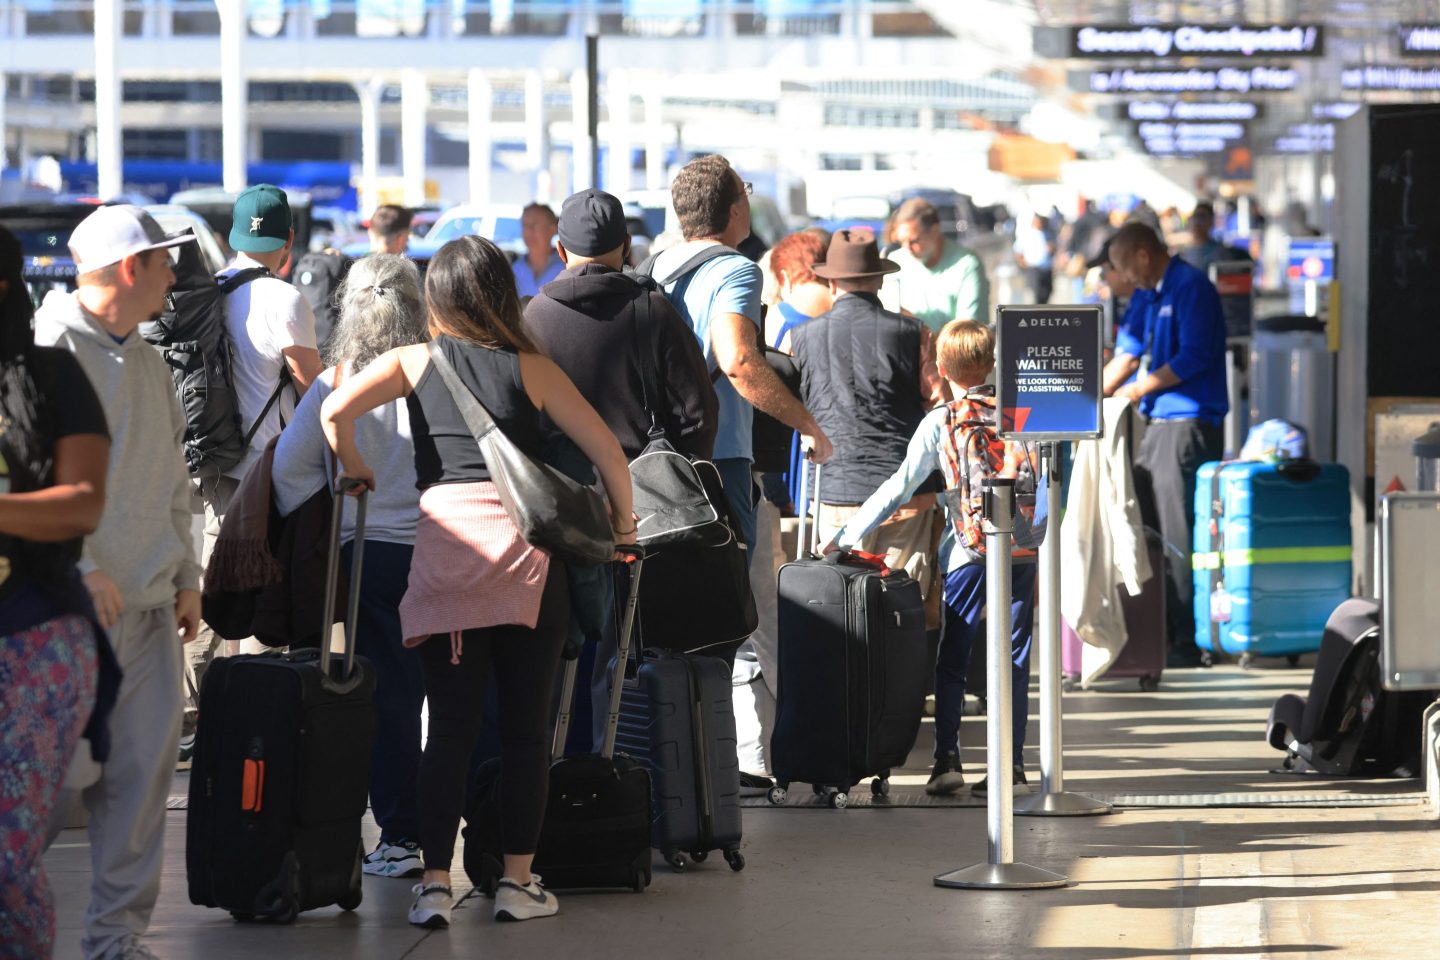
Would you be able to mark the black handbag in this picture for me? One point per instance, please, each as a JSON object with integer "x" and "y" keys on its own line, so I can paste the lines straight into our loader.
{"x": 550, "y": 510}
{"x": 680, "y": 500}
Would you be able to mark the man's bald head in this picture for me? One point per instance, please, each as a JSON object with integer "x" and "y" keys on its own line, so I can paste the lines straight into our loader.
{"x": 1139, "y": 255}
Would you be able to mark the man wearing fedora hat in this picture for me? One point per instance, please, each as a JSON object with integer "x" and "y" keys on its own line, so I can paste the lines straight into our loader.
{"x": 868, "y": 375}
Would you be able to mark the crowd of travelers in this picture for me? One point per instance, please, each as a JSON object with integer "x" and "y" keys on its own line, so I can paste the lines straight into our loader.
{"x": 102, "y": 646}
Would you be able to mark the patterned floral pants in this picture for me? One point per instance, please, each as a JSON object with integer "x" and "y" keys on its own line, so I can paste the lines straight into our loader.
{"x": 47, "y": 690}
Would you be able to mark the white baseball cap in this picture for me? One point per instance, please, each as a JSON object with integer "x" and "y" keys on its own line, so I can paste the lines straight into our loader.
{"x": 111, "y": 234}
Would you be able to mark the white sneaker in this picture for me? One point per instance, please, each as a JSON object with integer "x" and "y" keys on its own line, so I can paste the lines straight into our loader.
{"x": 432, "y": 906}
{"x": 394, "y": 860}
{"x": 514, "y": 902}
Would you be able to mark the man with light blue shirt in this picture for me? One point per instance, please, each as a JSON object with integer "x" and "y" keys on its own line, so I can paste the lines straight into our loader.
{"x": 541, "y": 262}
{"x": 1182, "y": 392}
{"x": 717, "y": 291}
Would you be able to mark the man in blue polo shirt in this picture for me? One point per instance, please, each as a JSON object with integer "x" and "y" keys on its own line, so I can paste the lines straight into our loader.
{"x": 1182, "y": 392}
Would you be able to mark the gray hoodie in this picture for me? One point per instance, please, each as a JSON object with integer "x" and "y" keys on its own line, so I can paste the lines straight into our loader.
{"x": 143, "y": 541}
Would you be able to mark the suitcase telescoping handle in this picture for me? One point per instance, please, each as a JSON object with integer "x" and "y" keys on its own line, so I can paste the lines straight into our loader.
{"x": 802, "y": 544}
{"x": 572, "y": 667}
{"x": 349, "y": 678}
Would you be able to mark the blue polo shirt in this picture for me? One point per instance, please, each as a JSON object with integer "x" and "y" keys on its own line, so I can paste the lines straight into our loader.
{"x": 1181, "y": 327}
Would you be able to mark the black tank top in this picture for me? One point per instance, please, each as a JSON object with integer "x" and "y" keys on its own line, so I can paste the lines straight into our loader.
{"x": 445, "y": 449}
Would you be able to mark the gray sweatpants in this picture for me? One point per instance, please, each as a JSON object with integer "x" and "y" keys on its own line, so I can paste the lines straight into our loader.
{"x": 126, "y": 797}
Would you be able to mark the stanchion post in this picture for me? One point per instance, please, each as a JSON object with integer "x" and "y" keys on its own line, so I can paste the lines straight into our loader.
{"x": 1000, "y": 871}
{"x": 1052, "y": 800}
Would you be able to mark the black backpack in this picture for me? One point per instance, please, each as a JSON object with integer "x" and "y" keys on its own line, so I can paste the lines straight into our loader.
{"x": 190, "y": 335}
{"x": 318, "y": 276}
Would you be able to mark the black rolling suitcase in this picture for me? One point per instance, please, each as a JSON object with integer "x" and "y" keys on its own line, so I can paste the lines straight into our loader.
{"x": 597, "y": 822}
{"x": 854, "y": 666}
{"x": 676, "y": 717}
{"x": 281, "y": 772}
{"x": 1350, "y": 725}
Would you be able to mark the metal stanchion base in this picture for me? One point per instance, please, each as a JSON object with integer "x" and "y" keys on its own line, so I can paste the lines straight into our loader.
{"x": 1000, "y": 876}
{"x": 1061, "y": 805}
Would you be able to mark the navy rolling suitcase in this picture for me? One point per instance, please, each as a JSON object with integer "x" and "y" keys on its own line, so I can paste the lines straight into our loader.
{"x": 854, "y": 666}
{"x": 596, "y": 831}
{"x": 281, "y": 771}
{"x": 676, "y": 717}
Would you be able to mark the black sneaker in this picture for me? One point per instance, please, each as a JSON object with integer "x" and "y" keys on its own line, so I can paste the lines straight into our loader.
{"x": 946, "y": 778}
{"x": 1018, "y": 783}
{"x": 754, "y": 785}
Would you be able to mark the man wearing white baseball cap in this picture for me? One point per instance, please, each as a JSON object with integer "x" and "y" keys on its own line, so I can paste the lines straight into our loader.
{"x": 139, "y": 565}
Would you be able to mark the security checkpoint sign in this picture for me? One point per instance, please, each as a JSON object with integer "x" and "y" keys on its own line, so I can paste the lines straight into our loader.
{"x": 1048, "y": 375}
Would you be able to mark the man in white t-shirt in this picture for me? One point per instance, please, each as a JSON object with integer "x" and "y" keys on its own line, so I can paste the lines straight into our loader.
{"x": 273, "y": 361}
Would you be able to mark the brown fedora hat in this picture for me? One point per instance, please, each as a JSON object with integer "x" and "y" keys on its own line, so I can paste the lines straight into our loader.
{"x": 853, "y": 255}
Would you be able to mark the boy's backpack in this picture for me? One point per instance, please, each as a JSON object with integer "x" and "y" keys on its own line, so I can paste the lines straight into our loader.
{"x": 317, "y": 275}
{"x": 971, "y": 452}
{"x": 190, "y": 335}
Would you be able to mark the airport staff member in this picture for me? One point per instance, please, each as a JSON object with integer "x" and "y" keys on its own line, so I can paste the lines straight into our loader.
{"x": 1182, "y": 392}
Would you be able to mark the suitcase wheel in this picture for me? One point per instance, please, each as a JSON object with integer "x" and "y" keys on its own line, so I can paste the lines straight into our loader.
{"x": 1149, "y": 684}
{"x": 351, "y": 900}
{"x": 242, "y": 917}
{"x": 1067, "y": 684}
{"x": 699, "y": 856}
{"x": 777, "y": 795}
{"x": 284, "y": 911}
{"x": 1293, "y": 659}
{"x": 880, "y": 787}
{"x": 736, "y": 860}
{"x": 640, "y": 880}
{"x": 839, "y": 800}
{"x": 1247, "y": 660}
{"x": 676, "y": 861}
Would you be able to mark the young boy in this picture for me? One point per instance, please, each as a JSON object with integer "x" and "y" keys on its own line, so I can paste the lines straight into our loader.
{"x": 966, "y": 354}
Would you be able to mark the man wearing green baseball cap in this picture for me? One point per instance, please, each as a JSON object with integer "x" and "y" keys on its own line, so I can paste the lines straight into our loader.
{"x": 274, "y": 359}
{"x": 262, "y": 221}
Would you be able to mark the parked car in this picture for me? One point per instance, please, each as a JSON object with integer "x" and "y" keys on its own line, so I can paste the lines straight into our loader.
{"x": 44, "y": 232}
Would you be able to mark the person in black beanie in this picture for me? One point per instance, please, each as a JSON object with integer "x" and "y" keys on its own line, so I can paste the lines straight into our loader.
{"x": 592, "y": 321}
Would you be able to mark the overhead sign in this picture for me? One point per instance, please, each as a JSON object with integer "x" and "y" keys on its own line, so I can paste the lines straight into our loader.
{"x": 1195, "y": 80}
{"x": 1048, "y": 380}
{"x": 1176, "y": 40}
{"x": 1340, "y": 110}
{"x": 1419, "y": 39}
{"x": 1180, "y": 131}
{"x": 1306, "y": 138}
{"x": 1389, "y": 78}
{"x": 1185, "y": 146}
{"x": 1190, "y": 111}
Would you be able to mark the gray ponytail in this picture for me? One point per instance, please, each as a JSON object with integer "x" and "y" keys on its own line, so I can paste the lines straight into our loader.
{"x": 380, "y": 309}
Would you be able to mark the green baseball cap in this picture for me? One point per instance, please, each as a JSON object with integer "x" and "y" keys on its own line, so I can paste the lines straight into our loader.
{"x": 262, "y": 220}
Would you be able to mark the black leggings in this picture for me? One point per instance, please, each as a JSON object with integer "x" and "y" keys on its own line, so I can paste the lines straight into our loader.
{"x": 525, "y": 662}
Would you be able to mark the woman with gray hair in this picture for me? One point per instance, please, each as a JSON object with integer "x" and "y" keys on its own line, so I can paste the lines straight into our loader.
{"x": 380, "y": 308}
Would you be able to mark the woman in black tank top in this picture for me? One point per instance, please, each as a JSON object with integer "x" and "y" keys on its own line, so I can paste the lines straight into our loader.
{"x": 487, "y": 601}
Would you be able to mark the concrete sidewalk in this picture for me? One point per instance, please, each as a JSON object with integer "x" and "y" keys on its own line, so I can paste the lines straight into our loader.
{"x": 1167, "y": 879}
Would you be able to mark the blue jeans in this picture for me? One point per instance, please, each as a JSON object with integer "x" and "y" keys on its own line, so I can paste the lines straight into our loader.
{"x": 964, "y": 599}
{"x": 399, "y": 690}
{"x": 736, "y": 474}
